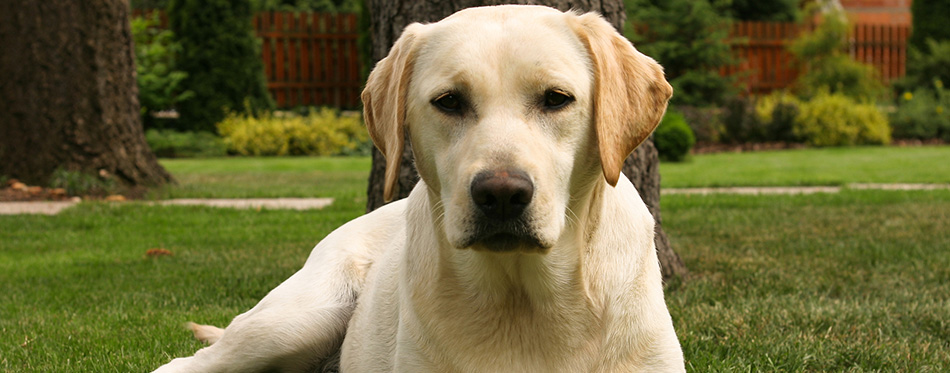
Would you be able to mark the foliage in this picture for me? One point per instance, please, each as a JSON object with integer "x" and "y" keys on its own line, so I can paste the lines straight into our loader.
{"x": 740, "y": 122}
{"x": 758, "y": 10}
{"x": 706, "y": 122}
{"x": 157, "y": 73}
{"x": 689, "y": 39}
{"x": 673, "y": 137}
{"x": 222, "y": 59}
{"x": 827, "y": 67}
{"x": 319, "y": 132}
{"x": 174, "y": 144}
{"x": 929, "y": 19}
{"x": 923, "y": 114}
{"x": 82, "y": 183}
{"x": 776, "y": 113}
{"x": 836, "y": 119}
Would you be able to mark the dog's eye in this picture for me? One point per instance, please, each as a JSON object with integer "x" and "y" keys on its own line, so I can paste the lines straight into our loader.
{"x": 448, "y": 102}
{"x": 555, "y": 99}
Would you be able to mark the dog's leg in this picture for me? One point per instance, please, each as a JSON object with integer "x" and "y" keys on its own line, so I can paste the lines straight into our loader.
{"x": 295, "y": 327}
{"x": 302, "y": 322}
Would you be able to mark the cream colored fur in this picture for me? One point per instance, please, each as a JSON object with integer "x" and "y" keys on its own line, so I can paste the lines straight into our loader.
{"x": 407, "y": 289}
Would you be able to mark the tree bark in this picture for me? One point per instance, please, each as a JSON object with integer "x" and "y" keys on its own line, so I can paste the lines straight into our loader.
{"x": 68, "y": 96}
{"x": 388, "y": 18}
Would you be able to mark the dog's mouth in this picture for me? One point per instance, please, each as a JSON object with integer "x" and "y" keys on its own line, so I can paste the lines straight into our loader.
{"x": 505, "y": 238}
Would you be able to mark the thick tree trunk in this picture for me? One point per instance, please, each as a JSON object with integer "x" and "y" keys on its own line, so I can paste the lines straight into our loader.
{"x": 388, "y": 18}
{"x": 68, "y": 97}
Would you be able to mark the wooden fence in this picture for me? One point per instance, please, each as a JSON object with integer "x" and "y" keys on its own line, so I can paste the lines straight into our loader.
{"x": 764, "y": 63}
{"x": 313, "y": 58}
{"x": 309, "y": 58}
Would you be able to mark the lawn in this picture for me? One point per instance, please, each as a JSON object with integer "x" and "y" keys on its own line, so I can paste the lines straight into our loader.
{"x": 832, "y": 282}
{"x": 829, "y": 166}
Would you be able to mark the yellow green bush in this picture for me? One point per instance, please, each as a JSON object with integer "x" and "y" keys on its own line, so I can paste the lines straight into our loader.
{"x": 318, "y": 132}
{"x": 835, "y": 119}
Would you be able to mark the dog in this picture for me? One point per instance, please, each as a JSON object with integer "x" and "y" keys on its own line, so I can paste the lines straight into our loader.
{"x": 522, "y": 249}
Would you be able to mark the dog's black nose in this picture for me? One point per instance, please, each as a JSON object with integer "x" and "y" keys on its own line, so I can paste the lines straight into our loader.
{"x": 502, "y": 194}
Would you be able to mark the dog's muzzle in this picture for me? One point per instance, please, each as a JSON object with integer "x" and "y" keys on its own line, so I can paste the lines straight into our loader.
{"x": 501, "y": 224}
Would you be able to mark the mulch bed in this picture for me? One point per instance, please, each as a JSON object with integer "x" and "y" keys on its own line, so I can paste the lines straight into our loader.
{"x": 15, "y": 191}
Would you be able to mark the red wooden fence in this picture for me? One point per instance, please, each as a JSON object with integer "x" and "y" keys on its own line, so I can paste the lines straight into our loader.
{"x": 313, "y": 59}
{"x": 309, "y": 58}
{"x": 765, "y": 63}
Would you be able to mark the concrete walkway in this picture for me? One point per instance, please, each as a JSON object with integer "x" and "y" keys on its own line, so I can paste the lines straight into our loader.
{"x": 255, "y": 203}
{"x": 52, "y": 208}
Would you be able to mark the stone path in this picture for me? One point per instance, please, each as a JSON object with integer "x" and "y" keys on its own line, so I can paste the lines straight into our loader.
{"x": 52, "y": 208}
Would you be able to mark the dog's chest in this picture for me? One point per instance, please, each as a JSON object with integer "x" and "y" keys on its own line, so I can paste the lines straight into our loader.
{"x": 513, "y": 332}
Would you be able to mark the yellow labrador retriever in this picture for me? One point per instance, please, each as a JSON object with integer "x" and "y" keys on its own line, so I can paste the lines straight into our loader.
{"x": 521, "y": 250}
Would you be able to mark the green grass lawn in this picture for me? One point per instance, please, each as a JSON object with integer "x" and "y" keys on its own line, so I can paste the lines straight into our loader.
{"x": 855, "y": 281}
{"x": 828, "y": 166}
{"x": 266, "y": 177}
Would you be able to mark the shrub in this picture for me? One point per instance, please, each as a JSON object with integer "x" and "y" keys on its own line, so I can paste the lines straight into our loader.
{"x": 318, "y": 132}
{"x": 174, "y": 144}
{"x": 827, "y": 68}
{"x": 706, "y": 122}
{"x": 673, "y": 137}
{"x": 222, "y": 58}
{"x": 157, "y": 73}
{"x": 835, "y": 119}
{"x": 923, "y": 114}
{"x": 740, "y": 122}
{"x": 776, "y": 114}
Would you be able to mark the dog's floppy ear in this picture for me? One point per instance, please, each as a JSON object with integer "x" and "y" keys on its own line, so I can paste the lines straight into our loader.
{"x": 384, "y": 105}
{"x": 630, "y": 92}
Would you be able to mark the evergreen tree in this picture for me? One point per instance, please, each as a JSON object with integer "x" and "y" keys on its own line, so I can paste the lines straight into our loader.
{"x": 759, "y": 10}
{"x": 222, "y": 58}
{"x": 929, "y": 22}
{"x": 687, "y": 37}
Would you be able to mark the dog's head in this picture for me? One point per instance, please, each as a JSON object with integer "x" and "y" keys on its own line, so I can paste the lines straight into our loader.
{"x": 512, "y": 110}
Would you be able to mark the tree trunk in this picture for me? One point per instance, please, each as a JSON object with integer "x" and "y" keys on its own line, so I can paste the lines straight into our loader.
{"x": 388, "y": 18}
{"x": 68, "y": 96}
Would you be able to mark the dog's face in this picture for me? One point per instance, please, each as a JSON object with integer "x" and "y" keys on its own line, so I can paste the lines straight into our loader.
{"x": 511, "y": 110}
